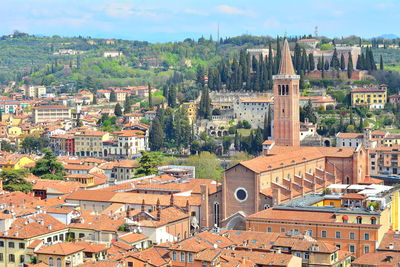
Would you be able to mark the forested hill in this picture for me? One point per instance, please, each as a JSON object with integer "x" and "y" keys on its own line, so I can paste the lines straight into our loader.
{"x": 80, "y": 61}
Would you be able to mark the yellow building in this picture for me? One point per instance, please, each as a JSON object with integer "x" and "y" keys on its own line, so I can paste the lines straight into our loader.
{"x": 14, "y": 131}
{"x": 374, "y": 98}
{"x": 61, "y": 254}
{"x": 19, "y": 241}
{"x": 14, "y": 161}
{"x": 191, "y": 110}
{"x": 90, "y": 143}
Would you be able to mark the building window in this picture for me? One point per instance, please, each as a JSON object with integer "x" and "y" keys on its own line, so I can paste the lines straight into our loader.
{"x": 11, "y": 244}
{"x": 51, "y": 261}
{"x": 216, "y": 214}
{"x": 306, "y": 256}
{"x": 203, "y": 264}
{"x": 283, "y": 230}
{"x": 269, "y": 229}
{"x": 366, "y": 249}
{"x": 22, "y": 245}
{"x": 352, "y": 248}
{"x": 352, "y": 235}
{"x": 182, "y": 256}
{"x": 58, "y": 262}
{"x": 130, "y": 264}
{"x": 366, "y": 236}
{"x": 338, "y": 234}
{"x": 241, "y": 194}
{"x": 22, "y": 259}
{"x": 173, "y": 255}
{"x": 1, "y": 243}
{"x": 359, "y": 220}
{"x": 323, "y": 233}
{"x": 11, "y": 258}
{"x": 297, "y": 254}
{"x": 1, "y": 257}
{"x": 190, "y": 257}
{"x": 373, "y": 220}
{"x": 81, "y": 235}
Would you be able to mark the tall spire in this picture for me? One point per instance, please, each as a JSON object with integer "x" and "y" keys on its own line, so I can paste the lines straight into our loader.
{"x": 286, "y": 64}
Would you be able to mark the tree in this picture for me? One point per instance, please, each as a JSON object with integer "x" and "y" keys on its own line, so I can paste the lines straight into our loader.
{"x": 350, "y": 66}
{"x": 113, "y": 96}
{"x": 205, "y": 104}
{"x": 172, "y": 96}
{"x": 149, "y": 163}
{"x": 48, "y": 165}
{"x": 156, "y": 135}
{"x": 34, "y": 144}
{"x": 94, "y": 99}
{"x": 342, "y": 63}
{"x": 381, "y": 63}
{"x": 14, "y": 180}
{"x": 200, "y": 76}
{"x": 118, "y": 110}
{"x": 6, "y": 146}
{"x": 311, "y": 62}
{"x": 207, "y": 166}
{"x": 361, "y": 125}
{"x": 150, "y": 96}
{"x": 127, "y": 105}
{"x": 268, "y": 124}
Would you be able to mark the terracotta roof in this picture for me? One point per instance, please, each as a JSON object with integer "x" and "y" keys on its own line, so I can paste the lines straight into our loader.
{"x": 63, "y": 249}
{"x": 353, "y": 196}
{"x": 33, "y": 226}
{"x": 379, "y": 259}
{"x": 91, "y": 247}
{"x": 100, "y": 222}
{"x": 251, "y": 239}
{"x": 261, "y": 258}
{"x": 293, "y": 215}
{"x": 101, "y": 263}
{"x": 221, "y": 241}
{"x": 64, "y": 187}
{"x": 286, "y": 64}
{"x": 208, "y": 254}
{"x": 152, "y": 256}
{"x": 191, "y": 244}
{"x": 390, "y": 242}
{"x": 77, "y": 167}
{"x": 368, "y": 90}
{"x": 350, "y": 135}
{"x": 51, "y": 107}
{"x": 132, "y": 237}
{"x": 167, "y": 216}
{"x": 35, "y": 243}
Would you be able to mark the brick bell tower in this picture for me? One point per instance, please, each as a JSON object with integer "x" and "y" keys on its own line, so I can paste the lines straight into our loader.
{"x": 286, "y": 102}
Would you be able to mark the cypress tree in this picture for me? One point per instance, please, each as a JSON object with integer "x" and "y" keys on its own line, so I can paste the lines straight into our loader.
{"x": 127, "y": 105}
{"x": 335, "y": 61}
{"x": 205, "y": 104}
{"x": 156, "y": 135}
{"x": 172, "y": 96}
{"x": 342, "y": 63}
{"x": 359, "y": 62}
{"x": 268, "y": 124}
{"x": 94, "y": 99}
{"x": 361, "y": 125}
{"x": 165, "y": 91}
{"x": 277, "y": 56}
{"x": 311, "y": 62}
{"x": 113, "y": 96}
{"x": 150, "y": 96}
{"x": 320, "y": 65}
{"x": 381, "y": 63}
{"x": 200, "y": 76}
{"x": 237, "y": 140}
{"x": 118, "y": 110}
{"x": 349, "y": 66}
{"x": 326, "y": 66}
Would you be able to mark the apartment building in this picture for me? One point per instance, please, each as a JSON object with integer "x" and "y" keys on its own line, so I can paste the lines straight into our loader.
{"x": 90, "y": 143}
{"x": 51, "y": 113}
{"x": 374, "y": 98}
{"x": 355, "y": 222}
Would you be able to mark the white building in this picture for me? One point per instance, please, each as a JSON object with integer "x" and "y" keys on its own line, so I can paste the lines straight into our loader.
{"x": 349, "y": 139}
{"x": 253, "y": 110}
{"x": 112, "y": 54}
{"x": 131, "y": 142}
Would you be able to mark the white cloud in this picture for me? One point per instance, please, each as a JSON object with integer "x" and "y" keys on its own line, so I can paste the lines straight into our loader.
{"x": 230, "y": 10}
{"x": 195, "y": 12}
{"x": 119, "y": 10}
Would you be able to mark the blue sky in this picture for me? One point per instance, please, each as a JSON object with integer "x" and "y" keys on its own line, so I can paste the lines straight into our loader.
{"x": 164, "y": 20}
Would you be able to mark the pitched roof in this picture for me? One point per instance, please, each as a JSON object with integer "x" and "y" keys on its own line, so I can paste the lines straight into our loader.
{"x": 350, "y": 135}
{"x": 132, "y": 237}
{"x": 379, "y": 259}
{"x": 286, "y": 64}
{"x": 390, "y": 242}
{"x": 293, "y": 215}
{"x": 64, "y": 249}
{"x": 152, "y": 256}
{"x": 33, "y": 226}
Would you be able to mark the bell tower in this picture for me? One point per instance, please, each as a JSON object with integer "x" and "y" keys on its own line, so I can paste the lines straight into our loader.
{"x": 286, "y": 102}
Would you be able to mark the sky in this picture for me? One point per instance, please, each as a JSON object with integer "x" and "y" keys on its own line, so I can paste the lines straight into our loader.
{"x": 175, "y": 20}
